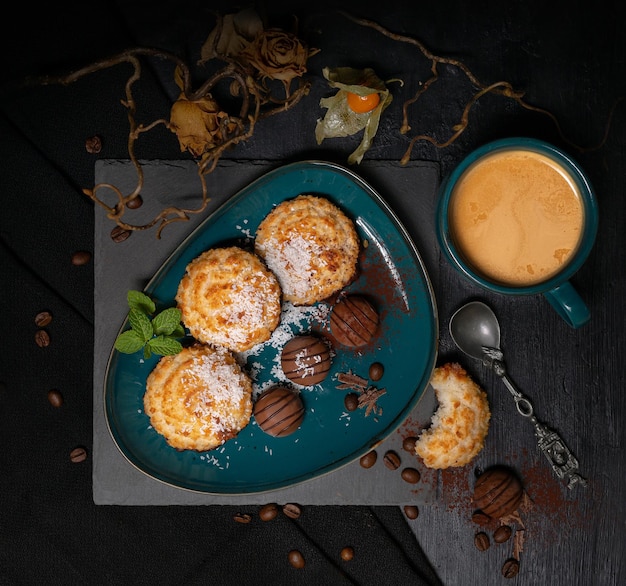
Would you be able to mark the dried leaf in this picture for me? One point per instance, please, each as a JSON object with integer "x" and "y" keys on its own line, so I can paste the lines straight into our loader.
{"x": 230, "y": 37}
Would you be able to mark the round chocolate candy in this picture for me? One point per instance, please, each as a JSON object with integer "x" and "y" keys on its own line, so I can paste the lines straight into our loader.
{"x": 306, "y": 360}
{"x": 497, "y": 492}
{"x": 279, "y": 411}
{"x": 353, "y": 321}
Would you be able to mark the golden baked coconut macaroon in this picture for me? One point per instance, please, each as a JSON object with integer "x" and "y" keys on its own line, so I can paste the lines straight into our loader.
{"x": 199, "y": 398}
{"x": 460, "y": 424}
{"x": 311, "y": 246}
{"x": 230, "y": 298}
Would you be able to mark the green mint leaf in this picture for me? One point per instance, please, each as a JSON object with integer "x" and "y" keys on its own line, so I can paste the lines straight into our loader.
{"x": 164, "y": 345}
{"x": 140, "y": 323}
{"x": 129, "y": 342}
{"x": 179, "y": 332}
{"x": 166, "y": 322}
{"x": 140, "y": 301}
{"x": 147, "y": 352}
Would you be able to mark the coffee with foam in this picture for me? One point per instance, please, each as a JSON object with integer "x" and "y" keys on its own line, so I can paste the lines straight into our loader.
{"x": 516, "y": 216}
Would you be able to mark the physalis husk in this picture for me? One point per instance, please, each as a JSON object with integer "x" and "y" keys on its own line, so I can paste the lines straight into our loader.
{"x": 353, "y": 108}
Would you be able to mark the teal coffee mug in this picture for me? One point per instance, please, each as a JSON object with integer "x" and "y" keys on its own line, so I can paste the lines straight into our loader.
{"x": 519, "y": 217}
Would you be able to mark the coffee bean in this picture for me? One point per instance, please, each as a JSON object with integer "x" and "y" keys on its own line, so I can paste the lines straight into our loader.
{"x": 480, "y": 518}
{"x": 42, "y": 338}
{"x": 296, "y": 559}
{"x": 347, "y": 553}
{"x": 502, "y": 534}
{"x": 408, "y": 444}
{"x": 411, "y": 475}
{"x": 93, "y": 145}
{"x": 136, "y": 202}
{"x": 376, "y": 371}
{"x": 292, "y": 510}
{"x": 351, "y": 401}
{"x": 242, "y": 518}
{"x": 268, "y": 512}
{"x": 510, "y": 569}
{"x": 78, "y": 455}
{"x": 391, "y": 460}
{"x": 43, "y": 318}
{"x": 481, "y": 541}
{"x": 119, "y": 234}
{"x": 55, "y": 398}
{"x": 369, "y": 459}
{"x": 411, "y": 511}
{"x": 80, "y": 258}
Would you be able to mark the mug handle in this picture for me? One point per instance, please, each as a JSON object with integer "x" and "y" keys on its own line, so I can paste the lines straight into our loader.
{"x": 568, "y": 304}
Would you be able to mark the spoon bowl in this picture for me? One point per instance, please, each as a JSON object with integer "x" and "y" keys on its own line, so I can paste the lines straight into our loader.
{"x": 475, "y": 327}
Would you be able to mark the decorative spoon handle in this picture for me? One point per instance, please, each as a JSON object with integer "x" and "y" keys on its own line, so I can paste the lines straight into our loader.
{"x": 563, "y": 462}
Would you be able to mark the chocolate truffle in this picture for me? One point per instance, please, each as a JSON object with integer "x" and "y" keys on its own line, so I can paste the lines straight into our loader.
{"x": 306, "y": 360}
{"x": 353, "y": 321}
{"x": 497, "y": 492}
{"x": 279, "y": 411}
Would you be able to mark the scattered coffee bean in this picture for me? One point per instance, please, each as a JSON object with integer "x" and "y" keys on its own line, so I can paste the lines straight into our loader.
{"x": 93, "y": 145}
{"x": 510, "y": 569}
{"x": 369, "y": 459}
{"x": 43, "y": 318}
{"x": 391, "y": 460}
{"x": 292, "y": 510}
{"x": 376, "y": 371}
{"x": 480, "y": 518}
{"x": 411, "y": 511}
{"x": 242, "y": 518}
{"x": 80, "y": 258}
{"x": 119, "y": 234}
{"x": 351, "y": 401}
{"x": 411, "y": 475}
{"x": 408, "y": 444}
{"x": 502, "y": 534}
{"x": 136, "y": 202}
{"x": 296, "y": 559}
{"x": 481, "y": 541}
{"x": 55, "y": 398}
{"x": 42, "y": 338}
{"x": 268, "y": 512}
{"x": 347, "y": 553}
{"x": 78, "y": 455}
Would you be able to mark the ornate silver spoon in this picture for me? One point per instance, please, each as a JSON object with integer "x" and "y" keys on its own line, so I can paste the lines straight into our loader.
{"x": 475, "y": 330}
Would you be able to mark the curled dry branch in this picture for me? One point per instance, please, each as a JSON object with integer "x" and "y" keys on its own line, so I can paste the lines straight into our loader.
{"x": 200, "y": 124}
{"x": 502, "y": 88}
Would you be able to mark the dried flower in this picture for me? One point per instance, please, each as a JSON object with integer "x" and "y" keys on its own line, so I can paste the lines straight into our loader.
{"x": 276, "y": 54}
{"x": 196, "y": 124}
{"x": 341, "y": 119}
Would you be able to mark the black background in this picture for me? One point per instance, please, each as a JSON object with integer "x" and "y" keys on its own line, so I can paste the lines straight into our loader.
{"x": 568, "y": 57}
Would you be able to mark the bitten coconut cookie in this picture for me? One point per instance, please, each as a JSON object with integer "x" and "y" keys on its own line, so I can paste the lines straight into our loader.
{"x": 460, "y": 424}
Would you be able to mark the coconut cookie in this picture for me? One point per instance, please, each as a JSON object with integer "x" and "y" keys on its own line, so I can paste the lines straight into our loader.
{"x": 311, "y": 246}
{"x": 199, "y": 398}
{"x": 230, "y": 298}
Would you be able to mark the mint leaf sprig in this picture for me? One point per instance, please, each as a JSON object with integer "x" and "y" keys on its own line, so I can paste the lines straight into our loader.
{"x": 156, "y": 335}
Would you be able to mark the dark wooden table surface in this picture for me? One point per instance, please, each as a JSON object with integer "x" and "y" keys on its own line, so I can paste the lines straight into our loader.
{"x": 569, "y": 59}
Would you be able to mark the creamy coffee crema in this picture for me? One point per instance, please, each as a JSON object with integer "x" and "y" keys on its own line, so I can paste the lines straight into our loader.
{"x": 516, "y": 217}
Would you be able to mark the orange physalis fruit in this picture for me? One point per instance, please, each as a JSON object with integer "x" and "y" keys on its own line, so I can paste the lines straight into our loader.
{"x": 362, "y": 104}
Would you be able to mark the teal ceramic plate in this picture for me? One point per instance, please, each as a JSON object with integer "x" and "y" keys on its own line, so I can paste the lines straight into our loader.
{"x": 391, "y": 273}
